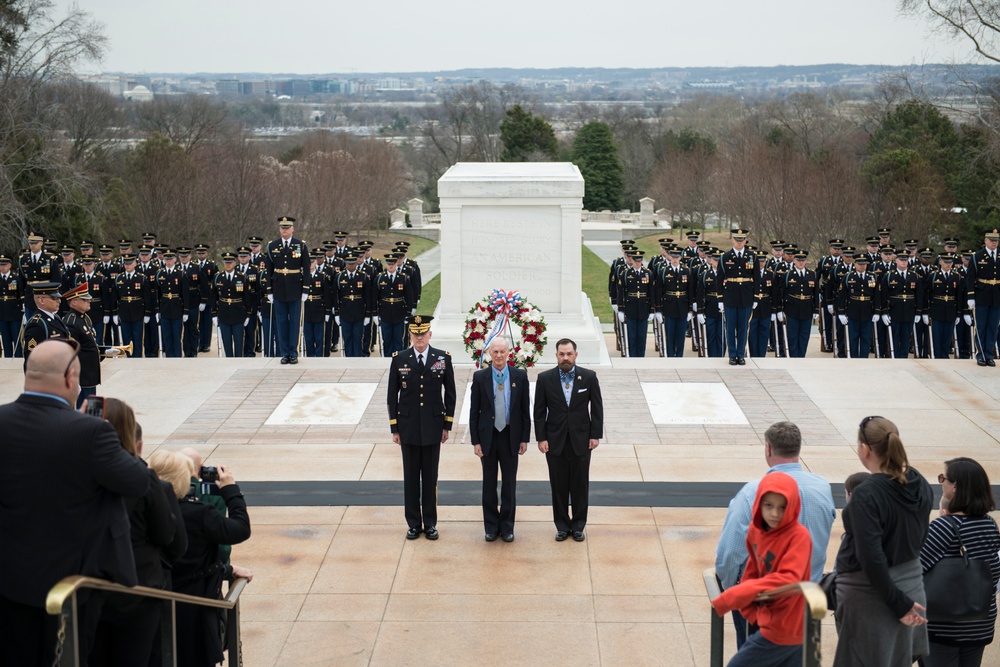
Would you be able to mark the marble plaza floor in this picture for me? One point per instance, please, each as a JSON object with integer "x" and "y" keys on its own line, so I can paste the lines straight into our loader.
{"x": 339, "y": 584}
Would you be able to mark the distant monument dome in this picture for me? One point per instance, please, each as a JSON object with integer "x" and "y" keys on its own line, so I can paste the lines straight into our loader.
{"x": 139, "y": 94}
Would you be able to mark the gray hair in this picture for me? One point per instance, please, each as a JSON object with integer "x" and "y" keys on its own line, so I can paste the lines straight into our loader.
{"x": 498, "y": 339}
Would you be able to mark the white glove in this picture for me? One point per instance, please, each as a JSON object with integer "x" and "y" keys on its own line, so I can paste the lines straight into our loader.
{"x": 378, "y": 320}
{"x": 246, "y": 323}
{"x": 305, "y": 297}
{"x": 774, "y": 316}
{"x": 116, "y": 319}
{"x": 270, "y": 298}
{"x": 875, "y": 318}
{"x": 157, "y": 318}
{"x": 614, "y": 307}
{"x": 694, "y": 307}
{"x": 326, "y": 318}
{"x": 413, "y": 311}
{"x": 107, "y": 318}
{"x": 650, "y": 318}
{"x": 215, "y": 321}
{"x": 829, "y": 308}
{"x": 843, "y": 319}
{"x": 781, "y": 316}
{"x": 701, "y": 318}
{"x": 621, "y": 317}
{"x": 722, "y": 308}
{"x": 972, "y": 303}
{"x": 690, "y": 316}
{"x": 184, "y": 318}
{"x": 815, "y": 316}
{"x": 260, "y": 318}
{"x": 368, "y": 321}
{"x": 112, "y": 352}
{"x": 968, "y": 320}
{"x": 201, "y": 307}
{"x": 926, "y": 319}
{"x": 336, "y": 318}
{"x": 754, "y": 307}
{"x": 659, "y": 318}
{"x": 886, "y": 320}
{"x": 145, "y": 319}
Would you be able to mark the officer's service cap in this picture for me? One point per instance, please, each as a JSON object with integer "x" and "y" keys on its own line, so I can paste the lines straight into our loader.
{"x": 861, "y": 259}
{"x": 911, "y": 243}
{"x": 872, "y": 240}
{"x": 888, "y": 250}
{"x": 148, "y": 236}
{"x": 693, "y": 234}
{"x": 243, "y": 251}
{"x": 125, "y": 243}
{"x": 675, "y": 251}
{"x": 255, "y": 240}
{"x": 705, "y": 244}
{"x": 4, "y": 259}
{"x": 85, "y": 244}
{"x": 402, "y": 244}
{"x": 329, "y": 245}
{"x": 664, "y": 240}
{"x": 350, "y": 258}
{"x": 790, "y": 248}
{"x": 947, "y": 257}
{"x": 418, "y": 324}
{"x": 993, "y": 234}
{"x": 926, "y": 252}
{"x": 183, "y": 250}
{"x": 836, "y": 243}
{"x": 969, "y": 252}
{"x": 777, "y": 243}
{"x": 627, "y": 242}
{"x": 81, "y": 291}
{"x": 340, "y": 235}
{"x": 848, "y": 251}
{"x": 286, "y": 221}
{"x": 201, "y": 247}
{"x": 35, "y": 238}
{"x": 391, "y": 257}
{"x": 128, "y": 257}
{"x": 366, "y": 244}
{"x": 160, "y": 247}
{"x": 637, "y": 254}
{"x": 228, "y": 257}
{"x": 951, "y": 240}
{"x": 48, "y": 289}
{"x": 715, "y": 253}
{"x": 67, "y": 250}
{"x": 885, "y": 231}
{"x": 740, "y": 234}
{"x": 145, "y": 249}
{"x": 169, "y": 254}
{"x": 105, "y": 249}
{"x": 87, "y": 260}
{"x": 801, "y": 254}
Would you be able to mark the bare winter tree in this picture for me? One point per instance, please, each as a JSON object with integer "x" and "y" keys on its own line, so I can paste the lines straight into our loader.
{"x": 188, "y": 121}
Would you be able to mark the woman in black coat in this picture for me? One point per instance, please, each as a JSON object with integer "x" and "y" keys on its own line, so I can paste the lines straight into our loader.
{"x": 199, "y": 571}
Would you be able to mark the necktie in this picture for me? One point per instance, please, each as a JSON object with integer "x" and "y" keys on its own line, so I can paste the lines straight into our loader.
{"x": 499, "y": 406}
{"x": 420, "y": 362}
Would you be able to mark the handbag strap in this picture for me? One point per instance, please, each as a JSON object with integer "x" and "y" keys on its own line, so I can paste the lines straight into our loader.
{"x": 958, "y": 534}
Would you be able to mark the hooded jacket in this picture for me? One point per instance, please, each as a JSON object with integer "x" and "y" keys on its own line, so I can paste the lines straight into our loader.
{"x": 778, "y": 556}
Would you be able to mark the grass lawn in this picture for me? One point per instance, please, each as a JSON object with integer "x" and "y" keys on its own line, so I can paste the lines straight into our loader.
{"x": 430, "y": 295}
{"x": 595, "y": 283}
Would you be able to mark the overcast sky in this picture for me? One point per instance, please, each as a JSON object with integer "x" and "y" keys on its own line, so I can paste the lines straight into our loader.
{"x": 302, "y": 36}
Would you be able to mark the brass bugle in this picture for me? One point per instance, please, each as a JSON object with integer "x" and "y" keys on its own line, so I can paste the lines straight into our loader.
{"x": 122, "y": 350}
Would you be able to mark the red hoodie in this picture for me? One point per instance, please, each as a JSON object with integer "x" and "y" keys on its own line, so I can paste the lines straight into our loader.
{"x": 778, "y": 556}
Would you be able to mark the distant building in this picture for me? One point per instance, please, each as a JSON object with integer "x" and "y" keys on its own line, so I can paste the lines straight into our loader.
{"x": 227, "y": 87}
{"x": 139, "y": 94}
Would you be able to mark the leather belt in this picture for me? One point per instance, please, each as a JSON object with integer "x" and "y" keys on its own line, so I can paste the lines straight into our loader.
{"x": 800, "y": 297}
{"x": 637, "y": 295}
{"x": 288, "y": 272}
{"x": 676, "y": 293}
{"x": 170, "y": 296}
{"x": 861, "y": 298}
{"x": 739, "y": 280}
{"x": 350, "y": 297}
{"x": 904, "y": 297}
{"x": 130, "y": 298}
{"x": 393, "y": 300}
{"x": 231, "y": 301}
{"x": 987, "y": 282}
{"x": 761, "y": 296}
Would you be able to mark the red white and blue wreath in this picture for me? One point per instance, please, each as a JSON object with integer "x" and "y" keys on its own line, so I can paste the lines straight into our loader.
{"x": 497, "y": 315}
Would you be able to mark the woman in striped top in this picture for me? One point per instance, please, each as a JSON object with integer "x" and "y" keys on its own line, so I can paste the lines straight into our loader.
{"x": 966, "y": 496}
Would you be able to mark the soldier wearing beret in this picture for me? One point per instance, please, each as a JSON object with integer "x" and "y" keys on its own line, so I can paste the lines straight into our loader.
{"x": 421, "y": 399}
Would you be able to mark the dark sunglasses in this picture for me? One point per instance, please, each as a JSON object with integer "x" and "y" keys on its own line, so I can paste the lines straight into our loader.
{"x": 942, "y": 478}
{"x": 864, "y": 422}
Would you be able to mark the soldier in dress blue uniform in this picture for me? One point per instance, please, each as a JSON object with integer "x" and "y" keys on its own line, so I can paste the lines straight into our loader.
{"x": 825, "y": 269}
{"x": 109, "y": 270}
{"x": 394, "y": 297}
{"x": 944, "y": 303}
{"x": 637, "y": 294}
{"x": 251, "y": 330}
{"x": 421, "y": 399}
{"x": 691, "y": 251}
{"x": 100, "y": 301}
{"x": 858, "y": 305}
{"x": 982, "y": 286}
{"x": 963, "y": 331}
{"x": 45, "y": 323}
{"x": 902, "y": 299}
{"x": 353, "y": 305}
{"x": 332, "y": 264}
{"x": 35, "y": 266}
{"x": 81, "y": 329}
{"x": 68, "y": 270}
{"x": 209, "y": 269}
{"x": 172, "y": 297}
{"x": 230, "y": 299}
{"x": 676, "y": 288}
{"x": 766, "y": 304}
{"x": 412, "y": 271}
{"x": 318, "y": 305}
{"x": 617, "y": 265}
{"x": 194, "y": 304}
{"x": 708, "y": 302}
{"x": 11, "y": 309}
{"x": 287, "y": 262}
{"x": 883, "y": 236}
{"x": 148, "y": 267}
{"x": 831, "y": 296}
{"x": 133, "y": 303}
{"x": 799, "y": 304}
{"x": 926, "y": 265}
{"x": 342, "y": 249}
{"x": 737, "y": 271}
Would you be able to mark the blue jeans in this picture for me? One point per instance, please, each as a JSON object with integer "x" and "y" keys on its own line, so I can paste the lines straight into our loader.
{"x": 352, "y": 332}
{"x": 674, "y": 329}
{"x": 798, "y": 336}
{"x": 737, "y": 326}
{"x": 392, "y": 337}
{"x": 636, "y": 331}
{"x": 9, "y": 332}
{"x": 286, "y": 323}
{"x": 759, "y": 652}
{"x": 859, "y": 334}
{"x": 232, "y": 338}
{"x": 312, "y": 334}
{"x": 987, "y": 321}
{"x": 132, "y": 333}
{"x": 760, "y": 331}
{"x": 171, "y": 332}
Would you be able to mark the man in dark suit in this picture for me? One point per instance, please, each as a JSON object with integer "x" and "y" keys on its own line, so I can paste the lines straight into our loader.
{"x": 421, "y": 400}
{"x": 61, "y": 488}
{"x": 569, "y": 424}
{"x": 287, "y": 265}
{"x": 499, "y": 425}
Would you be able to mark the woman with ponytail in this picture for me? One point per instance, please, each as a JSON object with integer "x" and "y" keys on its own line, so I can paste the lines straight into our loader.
{"x": 880, "y": 590}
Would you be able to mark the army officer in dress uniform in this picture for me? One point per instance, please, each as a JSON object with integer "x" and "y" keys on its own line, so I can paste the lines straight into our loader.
{"x": 11, "y": 309}
{"x": 172, "y": 297}
{"x": 230, "y": 300}
{"x": 82, "y": 330}
{"x": 421, "y": 400}
{"x": 637, "y": 296}
{"x": 393, "y": 297}
{"x": 737, "y": 272}
{"x": 982, "y": 286}
{"x": 45, "y": 323}
{"x": 287, "y": 264}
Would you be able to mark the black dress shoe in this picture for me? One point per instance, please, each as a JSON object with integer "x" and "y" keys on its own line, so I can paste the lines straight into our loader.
{"x": 578, "y": 535}
{"x": 335, "y": 349}
{"x": 293, "y": 360}
{"x": 284, "y": 360}
{"x": 732, "y": 361}
{"x": 741, "y": 361}
{"x": 204, "y": 349}
{"x": 491, "y": 537}
{"x": 431, "y": 533}
{"x": 508, "y": 537}
{"x": 981, "y": 362}
{"x": 413, "y": 533}
{"x": 991, "y": 362}
{"x": 561, "y": 535}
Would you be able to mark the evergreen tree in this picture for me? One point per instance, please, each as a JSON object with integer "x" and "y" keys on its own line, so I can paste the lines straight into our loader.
{"x": 526, "y": 137}
{"x": 595, "y": 153}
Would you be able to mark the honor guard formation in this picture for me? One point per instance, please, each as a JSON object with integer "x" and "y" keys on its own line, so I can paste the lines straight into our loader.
{"x": 744, "y": 301}
{"x": 281, "y": 299}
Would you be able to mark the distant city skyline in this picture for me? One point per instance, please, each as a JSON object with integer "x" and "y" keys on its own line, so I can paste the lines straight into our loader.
{"x": 302, "y": 37}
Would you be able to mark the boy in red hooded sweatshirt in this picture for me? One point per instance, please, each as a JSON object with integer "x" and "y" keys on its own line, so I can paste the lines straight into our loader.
{"x": 780, "y": 553}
